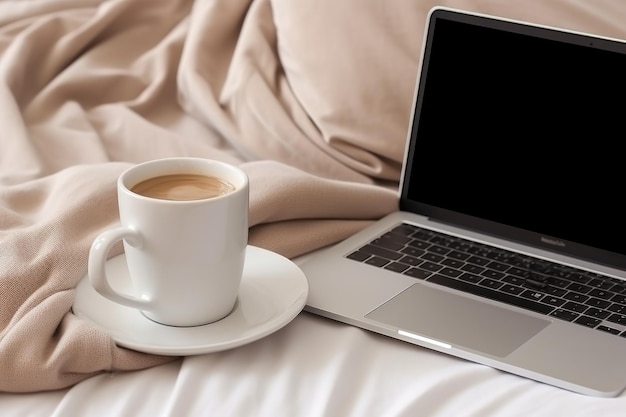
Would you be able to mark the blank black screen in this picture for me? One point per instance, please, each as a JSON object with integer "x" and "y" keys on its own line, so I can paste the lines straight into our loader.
{"x": 523, "y": 131}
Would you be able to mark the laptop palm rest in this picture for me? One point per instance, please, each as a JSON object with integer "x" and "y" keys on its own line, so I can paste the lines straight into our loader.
{"x": 500, "y": 333}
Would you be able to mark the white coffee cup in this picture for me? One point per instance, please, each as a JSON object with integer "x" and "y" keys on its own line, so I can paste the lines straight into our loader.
{"x": 185, "y": 257}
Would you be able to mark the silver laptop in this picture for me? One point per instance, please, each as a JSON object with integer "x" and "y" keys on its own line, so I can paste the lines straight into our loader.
{"x": 509, "y": 245}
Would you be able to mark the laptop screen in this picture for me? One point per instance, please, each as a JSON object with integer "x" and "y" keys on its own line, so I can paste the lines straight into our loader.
{"x": 517, "y": 132}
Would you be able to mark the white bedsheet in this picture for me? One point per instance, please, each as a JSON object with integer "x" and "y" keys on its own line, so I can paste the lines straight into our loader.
{"x": 313, "y": 367}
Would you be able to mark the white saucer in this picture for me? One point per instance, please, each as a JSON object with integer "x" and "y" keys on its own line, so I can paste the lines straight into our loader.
{"x": 273, "y": 291}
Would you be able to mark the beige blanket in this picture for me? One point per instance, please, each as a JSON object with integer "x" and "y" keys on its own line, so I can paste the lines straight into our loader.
{"x": 310, "y": 97}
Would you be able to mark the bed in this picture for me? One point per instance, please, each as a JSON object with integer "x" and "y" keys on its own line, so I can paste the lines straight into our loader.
{"x": 312, "y": 99}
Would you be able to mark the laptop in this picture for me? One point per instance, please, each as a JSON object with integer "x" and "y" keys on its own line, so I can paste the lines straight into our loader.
{"x": 508, "y": 248}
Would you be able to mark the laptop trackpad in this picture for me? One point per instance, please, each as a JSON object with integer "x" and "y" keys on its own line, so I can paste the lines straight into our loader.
{"x": 457, "y": 320}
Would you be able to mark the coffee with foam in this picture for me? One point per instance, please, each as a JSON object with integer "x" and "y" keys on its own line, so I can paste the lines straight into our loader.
{"x": 183, "y": 187}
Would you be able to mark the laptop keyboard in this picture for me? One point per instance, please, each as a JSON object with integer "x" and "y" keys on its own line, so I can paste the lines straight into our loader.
{"x": 563, "y": 292}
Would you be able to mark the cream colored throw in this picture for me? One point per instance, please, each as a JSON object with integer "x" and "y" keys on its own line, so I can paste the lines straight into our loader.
{"x": 310, "y": 97}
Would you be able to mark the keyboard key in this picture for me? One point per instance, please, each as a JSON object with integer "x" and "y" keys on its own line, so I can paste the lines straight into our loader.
{"x": 432, "y": 257}
{"x": 519, "y": 261}
{"x": 431, "y": 267}
{"x": 608, "y": 329}
{"x": 597, "y": 313}
{"x": 404, "y": 229}
{"x": 617, "y": 318}
{"x": 564, "y": 315}
{"x": 376, "y": 261}
{"x": 477, "y": 261}
{"x": 452, "y": 263}
{"x": 533, "y": 295}
{"x": 476, "y": 249}
{"x": 576, "y": 297}
{"x": 493, "y": 274}
{"x": 619, "y": 288}
{"x": 538, "y": 285}
{"x": 396, "y": 266}
{"x": 388, "y": 244}
{"x": 518, "y": 272}
{"x": 470, "y": 278}
{"x": 617, "y": 308}
{"x": 553, "y": 301}
{"x": 393, "y": 237}
{"x": 499, "y": 255}
{"x": 512, "y": 289}
{"x": 558, "y": 282}
{"x": 474, "y": 269}
{"x": 600, "y": 283}
{"x": 417, "y": 273}
{"x": 514, "y": 280}
{"x": 358, "y": 256}
{"x": 450, "y": 272}
{"x": 424, "y": 235}
{"x": 419, "y": 244}
{"x": 596, "y": 302}
{"x": 557, "y": 292}
{"x": 410, "y": 260}
{"x": 381, "y": 252}
{"x": 413, "y": 251}
{"x": 588, "y": 321}
{"x": 578, "y": 277}
{"x": 619, "y": 299}
{"x": 576, "y": 307}
{"x": 442, "y": 241}
{"x": 460, "y": 245}
{"x": 578, "y": 288}
{"x": 438, "y": 249}
{"x": 458, "y": 255}
{"x": 490, "y": 283}
{"x": 497, "y": 266}
{"x": 598, "y": 293}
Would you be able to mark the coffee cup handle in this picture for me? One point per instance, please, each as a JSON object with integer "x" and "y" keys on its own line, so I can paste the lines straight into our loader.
{"x": 98, "y": 255}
